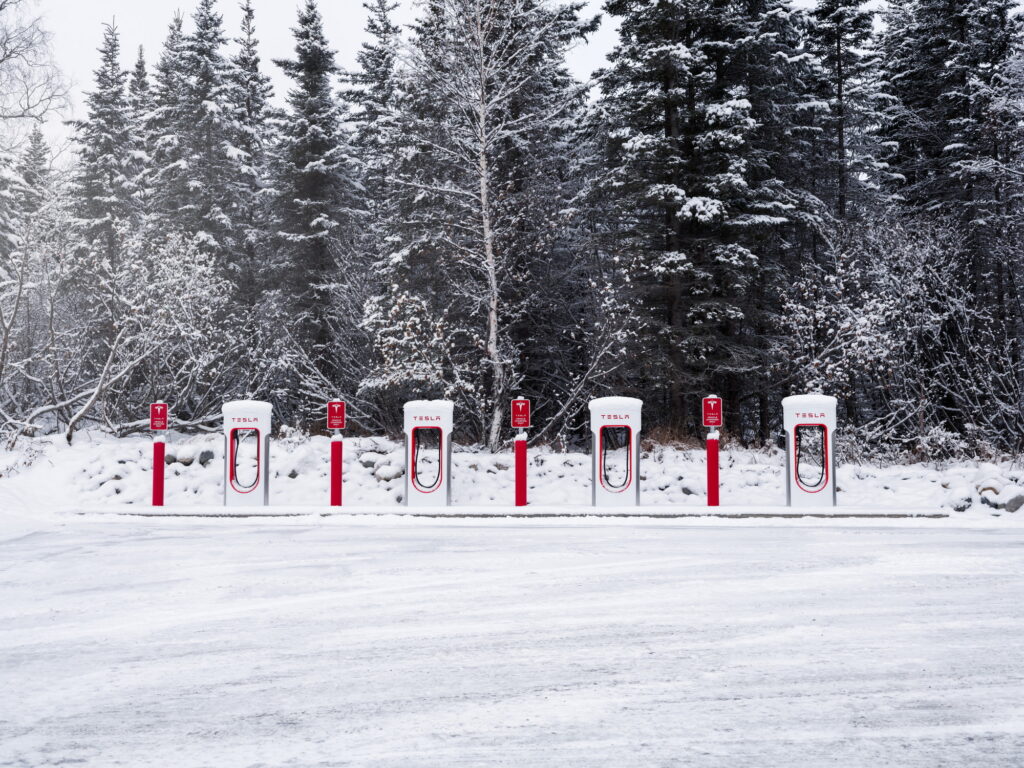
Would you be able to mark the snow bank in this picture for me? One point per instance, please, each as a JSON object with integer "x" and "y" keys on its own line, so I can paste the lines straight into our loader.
{"x": 100, "y": 471}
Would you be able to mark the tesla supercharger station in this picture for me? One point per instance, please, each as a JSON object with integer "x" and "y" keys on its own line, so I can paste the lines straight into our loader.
{"x": 428, "y": 453}
{"x": 246, "y": 453}
{"x": 615, "y": 426}
{"x": 810, "y": 424}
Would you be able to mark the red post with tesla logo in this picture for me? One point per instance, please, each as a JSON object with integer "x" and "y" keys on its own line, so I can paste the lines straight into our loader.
{"x": 158, "y": 423}
{"x": 712, "y": 420}
{"x": 520, "y": 421}
{"x": 336, "y": 421}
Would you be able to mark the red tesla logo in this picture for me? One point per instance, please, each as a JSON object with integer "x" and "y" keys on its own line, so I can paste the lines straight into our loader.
{"x": 712, "y": 412}
{"x": 336, "y": 414}
{"x": 158, "y": 416}
{"x": 521, "y": 414}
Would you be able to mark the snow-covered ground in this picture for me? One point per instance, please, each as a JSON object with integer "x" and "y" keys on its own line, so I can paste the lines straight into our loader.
{"x": 101, "y": 473}
{"x": 378, "y": 642}
{"x": 375, "y": 640}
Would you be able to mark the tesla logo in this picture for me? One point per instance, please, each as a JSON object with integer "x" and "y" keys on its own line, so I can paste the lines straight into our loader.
{"x": 520, "y": 414}
{"x": 622, "y": 417}
{"x": 336, "y": 414}
{"x": 712, "y": 413}
{"x": 243, "y": 420}
{"x": 158, "y": 416}
{"x": 810, "y": 415}
{"x": 426, "y": 418}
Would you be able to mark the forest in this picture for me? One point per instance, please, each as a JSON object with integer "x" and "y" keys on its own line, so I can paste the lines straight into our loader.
{"x": 749, "y": 198}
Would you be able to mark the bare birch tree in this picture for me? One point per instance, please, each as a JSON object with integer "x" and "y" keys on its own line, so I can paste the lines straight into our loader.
{"x": 488, "y": 76}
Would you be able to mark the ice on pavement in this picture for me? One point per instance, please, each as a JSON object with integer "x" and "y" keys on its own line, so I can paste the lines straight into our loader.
{"x": 128, "y": 642}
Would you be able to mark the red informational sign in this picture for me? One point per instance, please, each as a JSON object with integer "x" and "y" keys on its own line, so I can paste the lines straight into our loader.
{"x": 158, "y": 416}
{"x": 520, "y": 414}
{"x": 712, "y": 411}
{"x": 336, "y": 414}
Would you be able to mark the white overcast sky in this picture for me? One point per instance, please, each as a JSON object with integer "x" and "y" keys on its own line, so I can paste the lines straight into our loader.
{"x": 77, "y": 30}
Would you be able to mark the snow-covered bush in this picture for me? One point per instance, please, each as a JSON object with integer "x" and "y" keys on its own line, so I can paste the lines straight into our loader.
{"x": 890, "y": 326}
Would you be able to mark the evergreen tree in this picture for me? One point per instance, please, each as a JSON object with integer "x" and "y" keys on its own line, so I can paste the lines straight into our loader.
{"x": 710, "y": 106}
{"x": 948, "y": 68}
{"x": 373, "y": 99}
{"x": 140, "y": 104}
{"x": 104, "y": 176}
{"x": 251, "y": 97}
{"x": 34, "y": 169}
{"x": 140, "y": 100}
{"x": 841, "y": 36}
{"x": 953, "y": 70}
{"x": 313, "y": 188}
{"x": 372, "y": 93}
{"x": 923, "y": 44}
{"x": 375, "y": 80}
{"x": 197, "y": 168}
{"x": 211, "y": 132}
{"x": 167, "y": 175}
{"x": 986, "y": 153}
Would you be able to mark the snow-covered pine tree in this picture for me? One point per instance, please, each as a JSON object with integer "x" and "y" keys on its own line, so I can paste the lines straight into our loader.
{"x": 210, "y": 133}
{"x": 314, "y": 188}
{"x": 947, "y": 67}
{"x": 599, "y": 298}
{"x": 371, "y": 91}
{"x": 923, "y": 42}
{"x": 841, "y": 35}
{"x": 251, "y": 96}
{"x": 988, "y": 144}
{"x": 104, "y": 183}
{"x": 140, "y": 105}
{"x": 485, "y": 98}
{"x": 12, "y": 193}
{"x": 140, "y": 99}
{"x": 711, "y": 112}
{"x": 34, "y": 169}
{"x": 166, "y": 178}
{"x": 404, "y": 315}
{"x": 197, "y": 171}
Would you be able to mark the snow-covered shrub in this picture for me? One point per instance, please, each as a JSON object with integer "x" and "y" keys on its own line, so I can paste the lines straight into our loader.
{"x": 890, "y": 327}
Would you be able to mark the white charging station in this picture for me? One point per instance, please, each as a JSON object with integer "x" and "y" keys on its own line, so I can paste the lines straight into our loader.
{"x": 810, "y": 424}
{"x": 615, "y": 427}
{"x": 247, "y": 453}
{"x": 428, "y": 453}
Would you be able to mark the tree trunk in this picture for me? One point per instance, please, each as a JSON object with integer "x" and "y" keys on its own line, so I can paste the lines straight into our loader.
{"x": 490, "y": 267}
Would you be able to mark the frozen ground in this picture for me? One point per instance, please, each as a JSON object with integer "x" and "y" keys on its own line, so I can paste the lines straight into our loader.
{"x": 382, "y": 642}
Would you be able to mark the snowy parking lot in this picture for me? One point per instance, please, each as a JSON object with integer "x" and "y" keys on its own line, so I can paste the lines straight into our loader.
{"x": 383, "y": 642}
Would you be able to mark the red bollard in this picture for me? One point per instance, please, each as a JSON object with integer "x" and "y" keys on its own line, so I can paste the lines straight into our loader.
{"x": 336, "y": 451}
{"x": 520, "y": 442}
{"x": 713, "y": 469}
{"x": 158, "y": 471}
